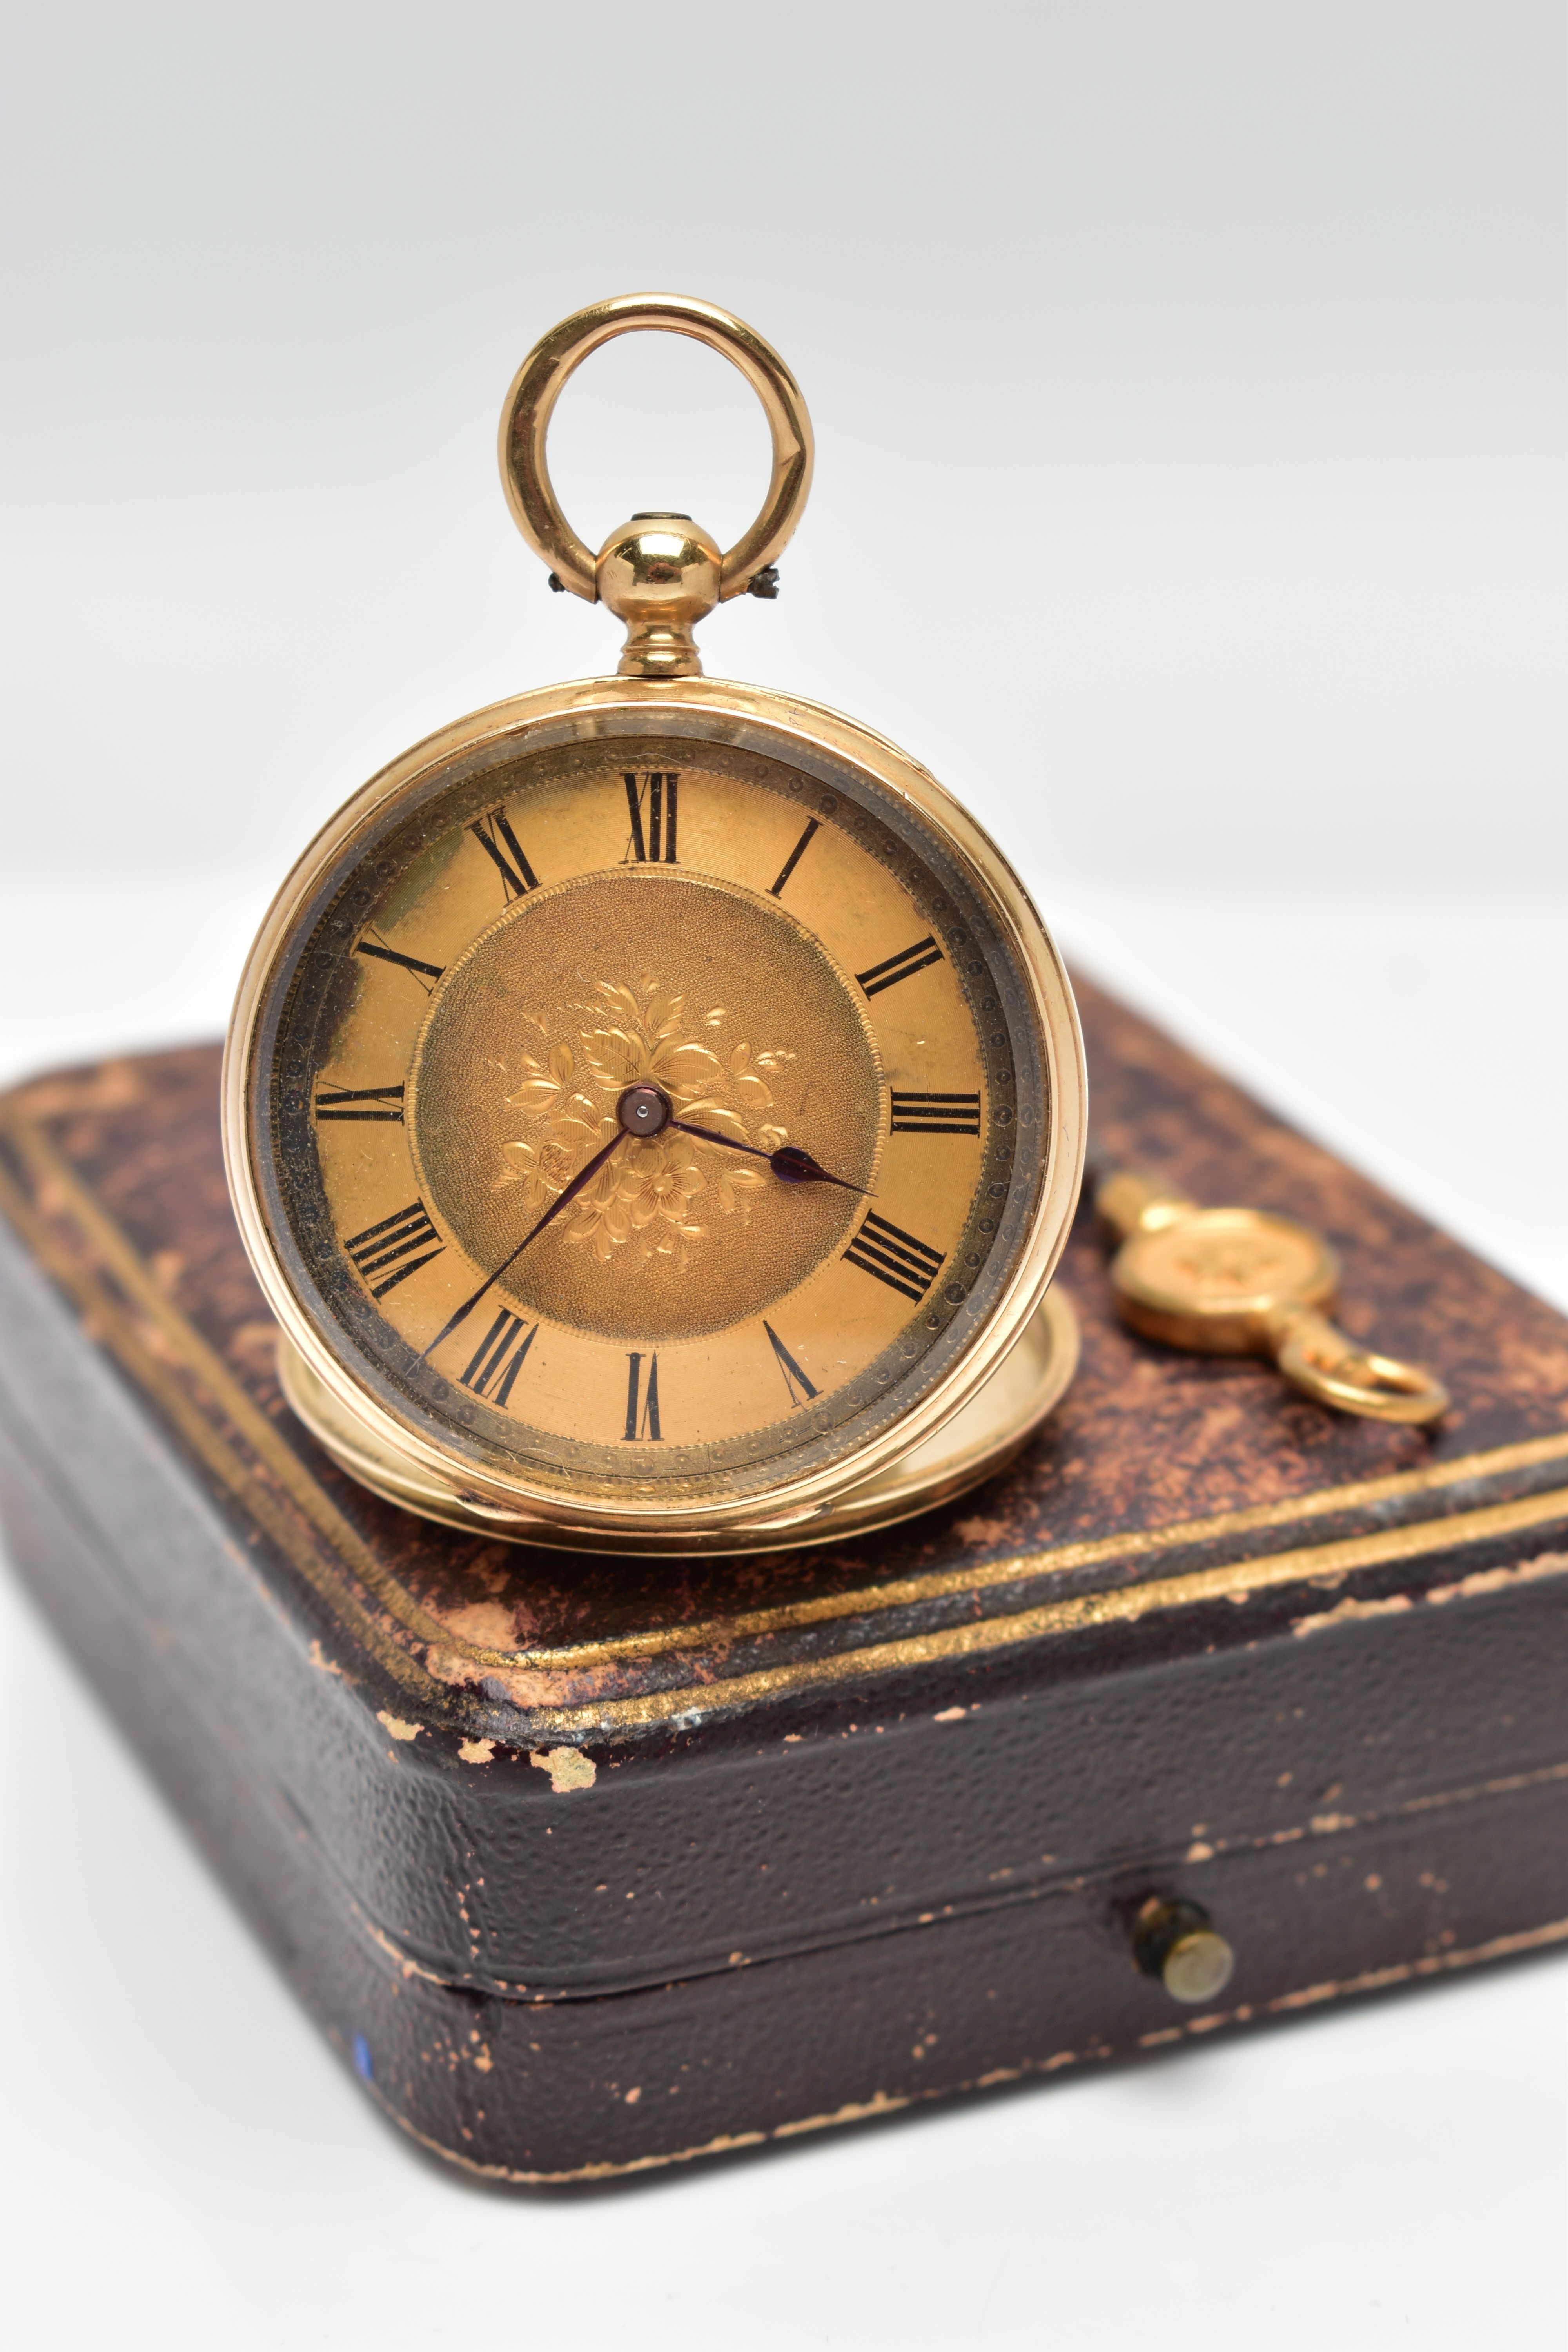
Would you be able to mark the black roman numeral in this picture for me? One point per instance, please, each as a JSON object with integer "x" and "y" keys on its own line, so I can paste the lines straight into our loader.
{"x": 359, "y": 1102}
{"x": 517, "y": 876}
{"x": 658, "y": 794}
{"x": 393, "y": 1239}
{"x": 900, "y": 967}
{"x": 794, "y": 1377}
{"x": 895, "y": 1257}
{"x": 935, "y": 1115}
{"x": 797, "y": 854}
{"x": 645, "y": 1423}
{"x": 421, "y": 971}
{"x": 500, "y": 1350}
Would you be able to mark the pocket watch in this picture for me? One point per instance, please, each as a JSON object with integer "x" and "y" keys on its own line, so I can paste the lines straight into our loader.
{"x": 653, "y": 1108}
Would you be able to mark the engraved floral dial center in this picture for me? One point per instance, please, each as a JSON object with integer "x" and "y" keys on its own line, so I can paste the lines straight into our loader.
{"x": 724, "y": 1035}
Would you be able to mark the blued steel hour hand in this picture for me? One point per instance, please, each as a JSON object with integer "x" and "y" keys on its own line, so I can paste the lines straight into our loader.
{"x": 789, "y": 1162}
{"x": 642, "y": 1111}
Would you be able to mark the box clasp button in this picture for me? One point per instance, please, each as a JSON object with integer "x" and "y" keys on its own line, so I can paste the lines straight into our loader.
{"x": 1178, "y": 1943}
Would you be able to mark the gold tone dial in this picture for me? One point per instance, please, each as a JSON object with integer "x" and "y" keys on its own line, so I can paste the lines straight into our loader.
{"x": 711, "y": 994}
{"x": 650, "y": 1112}
{"x": 608, "y": 925}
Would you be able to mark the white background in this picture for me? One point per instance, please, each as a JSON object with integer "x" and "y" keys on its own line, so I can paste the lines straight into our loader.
{"x": 1187, "y": 379}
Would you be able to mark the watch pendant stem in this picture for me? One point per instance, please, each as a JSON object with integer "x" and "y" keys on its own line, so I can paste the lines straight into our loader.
{"x": 660, "y": 574}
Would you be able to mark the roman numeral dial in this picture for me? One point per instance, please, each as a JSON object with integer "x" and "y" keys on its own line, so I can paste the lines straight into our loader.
{"x": 748, "y": 1267}
{"x": 902, "y": 966}
{"x": 385, "y": 1103}
{"x": 935, "y": 1113}
{"x": 502, "y": 846}
{"x": 423, "y": 973}
{"x": 895, "y": 1257}
{"x": 799, "y": 1386}
{"x": 653, "y": 805}
{"x": 642, "y": 1398}
{"x": 388, "y": 1252}
{"x": 792, "y": 860}
{"x": 499, "y": 1357}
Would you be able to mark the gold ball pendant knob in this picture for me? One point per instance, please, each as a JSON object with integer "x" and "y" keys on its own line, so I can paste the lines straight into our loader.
{"x": 660, "y": 574}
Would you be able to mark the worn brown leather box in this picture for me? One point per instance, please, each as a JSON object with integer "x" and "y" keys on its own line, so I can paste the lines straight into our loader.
{"x": 589, "y": 1866}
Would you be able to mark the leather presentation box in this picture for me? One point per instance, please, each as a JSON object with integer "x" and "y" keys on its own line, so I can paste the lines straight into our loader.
{"x": 589, "y": 1866}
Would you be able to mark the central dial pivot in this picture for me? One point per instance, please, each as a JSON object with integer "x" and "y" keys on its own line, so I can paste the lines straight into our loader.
{"x": 644, "y": 1110}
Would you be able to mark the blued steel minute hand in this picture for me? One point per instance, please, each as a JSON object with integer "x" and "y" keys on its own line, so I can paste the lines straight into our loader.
{"x": 563, "y": 1200}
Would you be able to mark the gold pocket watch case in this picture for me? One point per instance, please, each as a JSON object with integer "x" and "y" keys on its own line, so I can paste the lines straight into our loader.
{"x": 653, "y": 1108}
